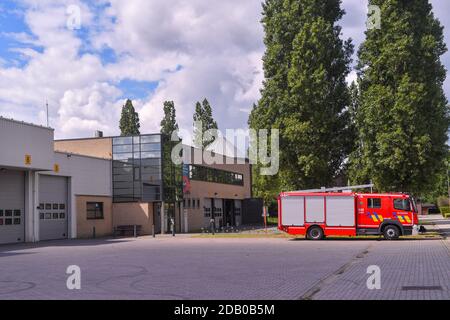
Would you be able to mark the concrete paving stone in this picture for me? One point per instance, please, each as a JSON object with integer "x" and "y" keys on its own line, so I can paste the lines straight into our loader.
{"x": 223, "y": 268}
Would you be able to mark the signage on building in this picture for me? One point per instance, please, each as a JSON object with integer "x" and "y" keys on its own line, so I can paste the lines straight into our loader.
{"x": 56, "y": 167}
{"x": 186, "y": 181}
{"x": 27, "y": 160}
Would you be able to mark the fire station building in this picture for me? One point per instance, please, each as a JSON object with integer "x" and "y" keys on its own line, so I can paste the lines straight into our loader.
{"x": 84, "y": 188}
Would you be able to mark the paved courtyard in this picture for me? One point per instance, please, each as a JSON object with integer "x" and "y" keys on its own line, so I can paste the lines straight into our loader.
{"x": 224, "y": 268}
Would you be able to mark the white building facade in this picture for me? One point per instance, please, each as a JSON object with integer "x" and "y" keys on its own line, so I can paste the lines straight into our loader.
{"x": 39, "y": 187}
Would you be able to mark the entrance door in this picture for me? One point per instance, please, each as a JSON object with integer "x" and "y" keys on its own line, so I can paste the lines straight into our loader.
{"x": 12, "y": 206}
{"x": 53, "y": 212}
{"x": 218, "y": 212}
{"x": 229, "y": 218}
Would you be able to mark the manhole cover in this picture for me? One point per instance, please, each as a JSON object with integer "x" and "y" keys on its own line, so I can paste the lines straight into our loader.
{"x": 417, "y": 288}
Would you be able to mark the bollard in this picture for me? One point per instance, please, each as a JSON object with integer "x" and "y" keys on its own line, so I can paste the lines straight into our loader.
{"x": 211, "y": 225}
{"x": 134, "y": 231}
{"x": 93, "y": 232}
{"x": 172, "y": 222}
{"x": 153, "y": 230}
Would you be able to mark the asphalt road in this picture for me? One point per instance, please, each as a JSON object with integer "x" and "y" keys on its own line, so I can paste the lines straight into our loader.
{"x": 201, "y": 268}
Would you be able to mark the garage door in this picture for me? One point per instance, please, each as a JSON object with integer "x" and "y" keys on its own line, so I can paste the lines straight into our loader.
{"x": 12, "y": 206}
{"x": 53, "y": 220}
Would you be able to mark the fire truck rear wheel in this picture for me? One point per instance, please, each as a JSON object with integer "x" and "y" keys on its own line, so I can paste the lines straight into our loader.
{"x": 391, "y": 232}
{"x": 315, "y": 233}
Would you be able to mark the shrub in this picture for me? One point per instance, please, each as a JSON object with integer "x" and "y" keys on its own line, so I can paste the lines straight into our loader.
{"x": 443, "y": 201}
{"x": 445, "y": 211}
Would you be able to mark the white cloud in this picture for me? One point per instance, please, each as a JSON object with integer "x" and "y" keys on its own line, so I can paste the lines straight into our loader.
{"x": 218, "y": 44}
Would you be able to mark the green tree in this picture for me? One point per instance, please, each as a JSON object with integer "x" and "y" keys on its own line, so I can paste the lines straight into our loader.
{"x": 169, "y": 122}
{"x": 172, "y": 173}
{"x": 402, "y": 118}
{"x": 304, "y": 94}
{"x": 203, "y": 113}
{"x": 129, "y": 120}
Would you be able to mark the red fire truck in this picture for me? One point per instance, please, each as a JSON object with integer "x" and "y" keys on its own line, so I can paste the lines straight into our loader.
{"x": 321, "y": 214}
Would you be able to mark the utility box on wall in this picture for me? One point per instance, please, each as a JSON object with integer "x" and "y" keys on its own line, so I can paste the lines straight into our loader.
{"x": 252, "y": 212}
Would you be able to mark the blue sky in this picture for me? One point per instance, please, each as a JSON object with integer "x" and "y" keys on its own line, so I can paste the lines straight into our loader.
{"x": 146, "y": 50}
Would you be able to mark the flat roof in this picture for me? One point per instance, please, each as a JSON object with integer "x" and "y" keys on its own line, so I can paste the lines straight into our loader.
{"x": 108, "y": 137}
{"x": 144, "y": 134}
{"x": 26, "y": 123}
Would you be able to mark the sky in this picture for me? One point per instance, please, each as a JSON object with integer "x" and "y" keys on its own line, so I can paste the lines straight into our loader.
{"x": 85, "y": 66}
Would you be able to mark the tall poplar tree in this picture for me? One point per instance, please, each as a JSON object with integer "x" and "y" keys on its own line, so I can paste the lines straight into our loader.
{"x": 203, "y": 113}
{"x": 304, "y": 94}
{"x": 402, "y": 118}
{"x": 129, "y": 120}
{"x": 169, "y": 122}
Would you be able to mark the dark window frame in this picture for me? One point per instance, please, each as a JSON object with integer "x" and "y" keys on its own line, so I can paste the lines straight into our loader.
{"x": 371, "y": 204}
{"x": 97, "y": 213}
{"x": 208, "y": 174}
{"x": 403, "y": 202}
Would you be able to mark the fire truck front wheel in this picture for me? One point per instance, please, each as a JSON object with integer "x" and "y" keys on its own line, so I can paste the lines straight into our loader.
{"x": 391, "y": 232}
{"x": 315, "y": 233}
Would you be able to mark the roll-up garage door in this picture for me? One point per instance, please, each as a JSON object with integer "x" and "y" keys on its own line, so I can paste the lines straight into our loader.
{"x": 53, "y": 212}
{"x": 12, "y": 206}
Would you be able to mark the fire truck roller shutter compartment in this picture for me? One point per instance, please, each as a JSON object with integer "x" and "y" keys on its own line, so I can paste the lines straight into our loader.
{"x": 315, "y": 207}
{"x": 293, "y": 211}
{"x": 340, "y": 211}
{"x": 53, "y": 209}
{"x": 12, "y": 205}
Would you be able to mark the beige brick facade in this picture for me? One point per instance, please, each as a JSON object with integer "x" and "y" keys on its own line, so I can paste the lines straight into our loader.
{"x": 94, "y": 147}
{"x": 128, "y": 214}
{"x": 85, "y": 227}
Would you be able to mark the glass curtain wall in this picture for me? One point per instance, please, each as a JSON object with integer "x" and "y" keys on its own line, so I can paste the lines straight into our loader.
{"x": 137, "y": 169}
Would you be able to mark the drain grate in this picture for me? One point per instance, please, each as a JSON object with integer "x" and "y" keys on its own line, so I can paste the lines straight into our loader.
{"x": 417, "y": 288}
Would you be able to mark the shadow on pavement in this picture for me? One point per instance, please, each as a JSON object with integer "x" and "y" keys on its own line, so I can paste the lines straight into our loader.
{"x": 366, "y": 239}
{"x": 60, "y": 243}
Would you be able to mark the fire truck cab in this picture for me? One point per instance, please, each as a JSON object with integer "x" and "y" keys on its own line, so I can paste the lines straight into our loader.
{"x": 320, "y": 214}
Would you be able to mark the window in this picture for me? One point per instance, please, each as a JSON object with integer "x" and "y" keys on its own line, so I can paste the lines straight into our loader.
{"x": 123, "y": 140}
{"x": 402, "y": 204}
{"x": 200, "y": 173}
{"x": 123, "y": 149}
{"x": 94, "y": 210}
{"x": 151, "y": 139}
{"x": 1, "y": 213}
{"x": 374, "y": 203}
{"x": 150, "y": 147}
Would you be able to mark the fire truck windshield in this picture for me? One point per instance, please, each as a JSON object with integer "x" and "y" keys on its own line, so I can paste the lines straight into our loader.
{"x": 413, "y": 204}
{"x": 402, "y": 204}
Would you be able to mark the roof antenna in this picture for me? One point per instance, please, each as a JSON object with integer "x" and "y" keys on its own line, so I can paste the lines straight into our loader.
{"x": 46, "y": 105}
